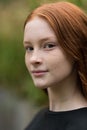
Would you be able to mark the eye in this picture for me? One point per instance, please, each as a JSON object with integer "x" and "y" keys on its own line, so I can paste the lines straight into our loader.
{"x": 29, "y": 48}
{"x": 49, "y": 45}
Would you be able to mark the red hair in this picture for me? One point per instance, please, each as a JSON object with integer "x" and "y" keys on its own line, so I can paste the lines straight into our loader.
{"x": 69, "y": 23}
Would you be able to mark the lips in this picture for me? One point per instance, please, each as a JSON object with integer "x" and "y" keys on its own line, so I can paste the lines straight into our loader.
{"x": 39, "y": 72}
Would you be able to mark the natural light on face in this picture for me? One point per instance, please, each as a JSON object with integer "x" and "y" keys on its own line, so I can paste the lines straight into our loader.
{"x": 44, "y": 58}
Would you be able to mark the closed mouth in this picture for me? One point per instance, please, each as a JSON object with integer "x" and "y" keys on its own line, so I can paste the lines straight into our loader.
{"x": 39, "y": 72}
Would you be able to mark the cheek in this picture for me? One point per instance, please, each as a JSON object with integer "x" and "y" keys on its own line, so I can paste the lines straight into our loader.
{"x": 60, "y": 64}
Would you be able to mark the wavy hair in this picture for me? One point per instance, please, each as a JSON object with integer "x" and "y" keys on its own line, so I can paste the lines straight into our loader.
{"x": 69, "y": 23}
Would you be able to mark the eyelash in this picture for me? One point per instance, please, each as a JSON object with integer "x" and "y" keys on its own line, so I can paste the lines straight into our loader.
{"x": 28, "y": 48}
{"x": 46, "y": 46}
{"x": 49, "y": 45}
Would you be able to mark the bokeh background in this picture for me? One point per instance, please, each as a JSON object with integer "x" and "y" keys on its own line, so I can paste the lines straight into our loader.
{"x": 19, "y": 98}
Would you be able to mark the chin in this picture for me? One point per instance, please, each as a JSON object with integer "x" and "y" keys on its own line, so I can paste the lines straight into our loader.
{"x": 41, "y": 86}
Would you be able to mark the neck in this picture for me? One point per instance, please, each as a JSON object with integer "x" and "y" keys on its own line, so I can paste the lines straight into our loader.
{"x": 66, "y": 97}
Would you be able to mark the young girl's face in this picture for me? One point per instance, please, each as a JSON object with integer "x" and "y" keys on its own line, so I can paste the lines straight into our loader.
{"x": 47, "y": 63}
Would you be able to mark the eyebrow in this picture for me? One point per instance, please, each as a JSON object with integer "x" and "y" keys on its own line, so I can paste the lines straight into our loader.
{"x": 45, "y": 39}
{"x": 40, "y": 41}
{"x": 26, "y": 42}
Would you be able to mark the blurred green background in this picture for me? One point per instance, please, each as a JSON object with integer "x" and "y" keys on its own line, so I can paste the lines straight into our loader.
{"x": 13, "y": 73}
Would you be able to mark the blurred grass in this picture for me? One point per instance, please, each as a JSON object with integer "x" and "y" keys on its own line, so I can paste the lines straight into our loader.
{"x": 13, "y": 73}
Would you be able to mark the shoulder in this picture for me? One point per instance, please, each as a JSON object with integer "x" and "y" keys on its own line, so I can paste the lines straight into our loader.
{"x": 39, "y": 117}
{"x": 79, "y": 119}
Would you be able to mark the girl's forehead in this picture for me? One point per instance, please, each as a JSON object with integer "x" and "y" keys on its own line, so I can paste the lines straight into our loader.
{"x": 38, "y": 28}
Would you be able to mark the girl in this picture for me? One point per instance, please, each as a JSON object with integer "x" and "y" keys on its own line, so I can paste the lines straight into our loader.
{"x": 55, "y": 39}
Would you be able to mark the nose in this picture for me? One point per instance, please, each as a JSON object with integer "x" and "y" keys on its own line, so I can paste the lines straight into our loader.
{"x": 36, "y": 58}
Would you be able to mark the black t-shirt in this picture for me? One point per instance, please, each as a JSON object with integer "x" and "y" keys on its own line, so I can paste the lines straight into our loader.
{"x": 64, "y": 120}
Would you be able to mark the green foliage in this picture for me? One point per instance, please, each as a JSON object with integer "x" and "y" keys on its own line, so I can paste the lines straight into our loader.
{"x": 12, "y": 66}
{"x": 33, "y": 93}
{"x": 77, "y": 2}
{"x": 5, "y": 1}
{"x": 33, "y": 3}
